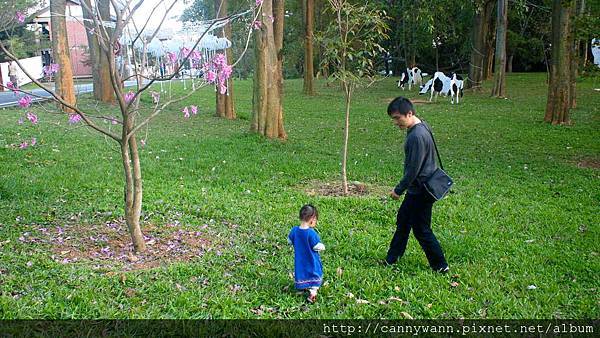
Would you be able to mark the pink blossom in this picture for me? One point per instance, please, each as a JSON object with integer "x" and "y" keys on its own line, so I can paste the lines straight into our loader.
{"x": 196, "y": 55}
{"x": 259, "y": 2}
{"x": 226, "y": 71}
{"x": 172, "y": 57}
{"x": 74, "y": 118}
{"x": 256, "y": 24}
{"x": 20, "y": 120}
{"x": 194, "y": 109}
{"x": 143, "y": 142}
{"x": 33, "y": 141}
{"x": 185, "y": 52}
{"x": 219, "y": 60}
{"x": 222, "y": 88}
{"x": 51, "y": 69}
{"x": 210, "y": 76}
{"x": 32, "y": 117}
{"x": 128, "y": 96}
{"x": 25, "y": 101}
{"x": 186, "y": 112}
{"x": 20, "y": 16}
{"x": 23, "y": 145}
{"x": 11, "y": 86}
{"x": 272, "y": 18}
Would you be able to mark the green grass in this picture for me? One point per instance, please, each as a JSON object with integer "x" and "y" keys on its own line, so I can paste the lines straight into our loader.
{"x": 517, "y": 180}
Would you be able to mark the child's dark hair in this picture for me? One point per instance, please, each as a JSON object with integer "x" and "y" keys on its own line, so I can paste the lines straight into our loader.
{"x": 400, "y": 105}
{"x": 307, "y": 212}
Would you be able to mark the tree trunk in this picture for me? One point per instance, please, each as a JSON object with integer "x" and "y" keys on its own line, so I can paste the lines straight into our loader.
{"x": 558, "y": 104}
{"x": 509, "y": 65}
{"x": 94, "y": 48}
{"x": 309, "y": 71}
{"x": 490, "y": 39}
{"x": 106, "y": 88}
{"x": 278, "y": 20}
{"x": 133, "y": 189}
{"x": 267, "y": 114}
{"x": 499, "y": 89}
{"x": 575, "y": 55}
{"x": 479, "y": 49}
{"x": 62, "y": 55}
{"x": 224, "y": 106}
{"x": 348, "y": 92}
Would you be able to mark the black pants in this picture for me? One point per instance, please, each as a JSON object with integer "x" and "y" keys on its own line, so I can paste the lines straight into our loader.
{"x": 415, "y": 213}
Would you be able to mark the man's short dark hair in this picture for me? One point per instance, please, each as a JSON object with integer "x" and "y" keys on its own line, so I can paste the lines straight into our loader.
{"x": 307, "y": 212}
{"x": 400, "y": 105}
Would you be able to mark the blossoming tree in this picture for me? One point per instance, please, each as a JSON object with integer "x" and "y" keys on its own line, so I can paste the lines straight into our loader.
{"x": 133, "y": 115}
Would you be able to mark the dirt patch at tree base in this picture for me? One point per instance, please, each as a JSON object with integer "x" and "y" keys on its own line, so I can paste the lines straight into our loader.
{"x": 414, "y": 101}
{"x": 108, "y": 246}
{"x": 335, "y": 189}
{"x": 593, "y": 163}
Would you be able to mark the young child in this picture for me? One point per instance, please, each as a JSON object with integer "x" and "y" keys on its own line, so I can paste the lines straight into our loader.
{"x": 307, "y": 245}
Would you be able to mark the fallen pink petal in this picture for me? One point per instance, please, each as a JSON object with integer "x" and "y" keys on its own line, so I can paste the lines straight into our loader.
{"x": 32, "y": 117}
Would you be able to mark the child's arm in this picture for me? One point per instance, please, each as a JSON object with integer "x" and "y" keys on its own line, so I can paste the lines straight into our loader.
{"x": 289, "y": 237}
{"x": 319, "y": 247}
{"x": 316, "y": 242}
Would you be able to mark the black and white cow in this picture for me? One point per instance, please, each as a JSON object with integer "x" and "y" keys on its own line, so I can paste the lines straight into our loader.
{"x": 417, "y": 76}
{"x": 456, "y": 87}
{"x": 405, "y": 77}
{"x": 410, "y": 76}
{"x": 444, "y": 84}
{"x": 438, "y": 84}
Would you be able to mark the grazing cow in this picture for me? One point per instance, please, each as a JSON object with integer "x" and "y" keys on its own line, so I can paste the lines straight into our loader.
{"x": 410, "y": 76}
{"x": 417, "y": 76}
{"x": 456, "y": 87}
{"x": 405, "y": 77}
{"x": 438, "y": 84}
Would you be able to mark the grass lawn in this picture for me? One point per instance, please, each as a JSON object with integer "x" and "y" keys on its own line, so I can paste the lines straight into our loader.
{"x": 524, "y": 212}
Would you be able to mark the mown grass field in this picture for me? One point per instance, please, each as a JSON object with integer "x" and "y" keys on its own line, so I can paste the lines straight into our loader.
{"x": 525, "y": 210}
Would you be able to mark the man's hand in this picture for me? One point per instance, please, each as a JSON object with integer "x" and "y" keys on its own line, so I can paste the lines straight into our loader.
{"x": 394, "y": 195}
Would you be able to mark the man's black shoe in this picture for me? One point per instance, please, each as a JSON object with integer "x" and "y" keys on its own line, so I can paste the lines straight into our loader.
{"x": 389, "y": 262}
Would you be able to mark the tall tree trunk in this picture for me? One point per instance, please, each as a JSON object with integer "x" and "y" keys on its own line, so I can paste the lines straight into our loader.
{"x": 479, "y": 51}
{"x": 348, "y": 93}
{"x": 499, "y": 89}
{"x": 575, "y": 56}
{"x": 412, "y": 57}
{"x": 490, "y": 39}
{"x": 558, "y": 104}
{"x": 94, "y": 48}
{"x": 62, "y": 55}
{"x": 106, "y": 88}
{"x": 509, "y": 64}
{"x": 309, "y": 71}
{"x": 477, "y": 48}
{"x": 224, "y": 106}
{"x": 267, "y": 114}
{"x": 278, "y": 21}
{"x": 133, "y": 189}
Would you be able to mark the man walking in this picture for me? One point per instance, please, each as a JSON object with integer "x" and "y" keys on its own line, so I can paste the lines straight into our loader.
{"x": 415, "y": 211}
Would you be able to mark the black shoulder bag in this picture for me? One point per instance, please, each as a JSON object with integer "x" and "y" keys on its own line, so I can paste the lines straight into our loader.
{"x": 439, "y": 183}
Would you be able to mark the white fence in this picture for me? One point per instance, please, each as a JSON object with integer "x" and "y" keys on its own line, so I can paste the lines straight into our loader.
{"x": 33, "y": 66}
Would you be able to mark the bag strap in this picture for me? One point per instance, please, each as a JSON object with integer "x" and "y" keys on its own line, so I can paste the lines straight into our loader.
{"x": 434, "y": 144}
